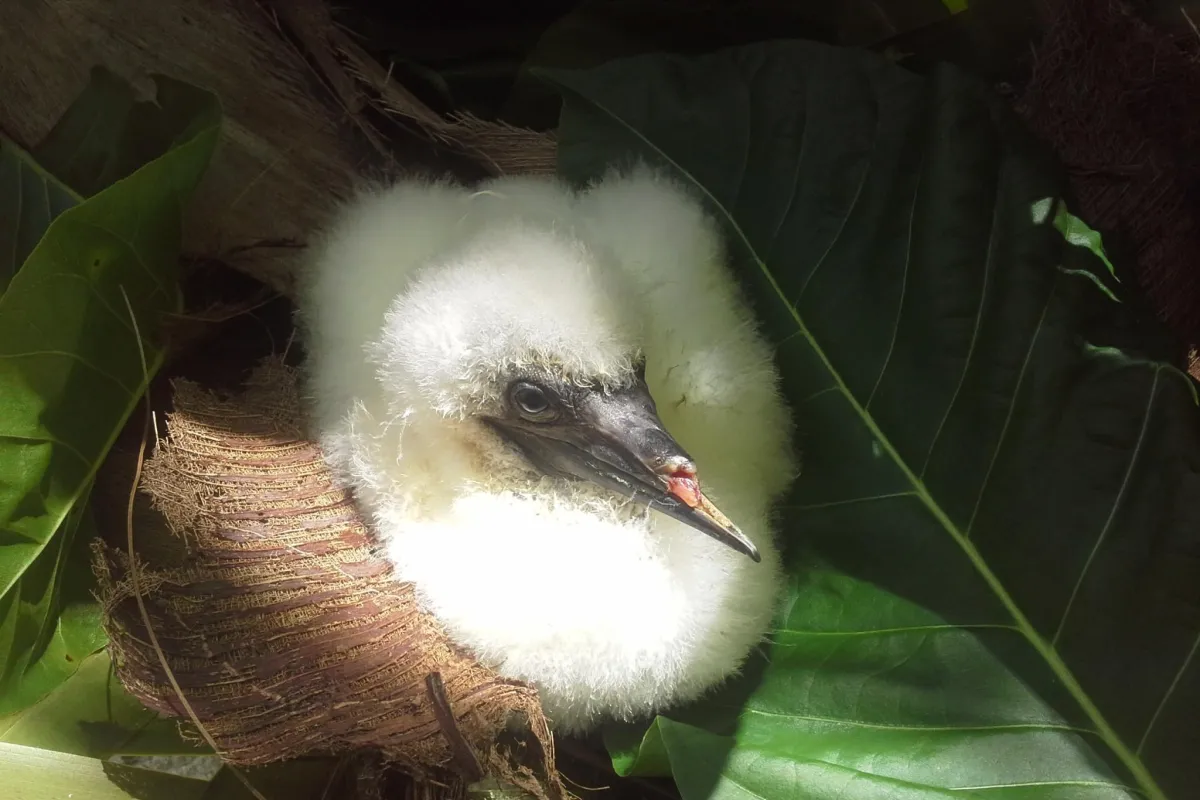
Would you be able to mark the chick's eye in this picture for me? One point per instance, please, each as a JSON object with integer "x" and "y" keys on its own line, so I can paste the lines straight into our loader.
{"x": 530, "y": 399}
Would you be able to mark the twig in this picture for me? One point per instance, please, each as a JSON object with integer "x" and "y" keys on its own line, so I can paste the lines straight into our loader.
{"x": 465, "y": 757}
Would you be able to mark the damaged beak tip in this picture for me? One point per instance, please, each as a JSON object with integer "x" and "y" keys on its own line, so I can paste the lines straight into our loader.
{"x": 725, "y": 531}
{"x": 747, "y": 546}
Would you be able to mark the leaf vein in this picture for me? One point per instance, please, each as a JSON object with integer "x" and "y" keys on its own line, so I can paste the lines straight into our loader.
{"x": 100, "y": 299}
{"x": 836, "y": 236}
{"x": 815, "y": 395}
{"x": 908, "y": 248}
{"x": 851, "y": 501}
{"x": 1012, "y": 406}
{"x": 983, "y": 293}
{"x": 47, "y": 440}
{"x": 882, "y": 726}
{"x": 1053, "y": 660}
{"x": 911, "y": 629}
{"x": 1101, "y": 784}
{"x": 72, "y": 357}
{"x": 787, "y": 210}
{"x": 1187, "y": 662}
{"x": 137, "y": 255}
{"x": 1112, "y": 512}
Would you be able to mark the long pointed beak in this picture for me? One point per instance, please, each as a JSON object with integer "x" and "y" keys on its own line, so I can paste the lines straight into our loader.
{"x": 617, "y": 441}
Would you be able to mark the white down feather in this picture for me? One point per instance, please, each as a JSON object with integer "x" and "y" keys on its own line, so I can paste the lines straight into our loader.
{"x": 415, "y": 300}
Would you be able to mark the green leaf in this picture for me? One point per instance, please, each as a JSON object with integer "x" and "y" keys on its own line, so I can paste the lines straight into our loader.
{"x": 995, "y": 588}
{"x": 1077, "y": 232}
{"x": 106, "y": 135}
{"x": 92, "y": 715}
{"x": 30, "y": 198}
{"x": 34, "y": 774}
{"x": 714, "y": 763}
{"x": 71, "y": 357}
{"x": 931, "y": 708}
{"x": 55, "y": 606}
{"x": 637, "y": 751}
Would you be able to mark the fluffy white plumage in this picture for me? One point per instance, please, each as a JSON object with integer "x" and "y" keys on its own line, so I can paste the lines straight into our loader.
{"x": 417, "y": 302}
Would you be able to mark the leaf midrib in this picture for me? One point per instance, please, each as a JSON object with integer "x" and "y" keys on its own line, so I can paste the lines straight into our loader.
{"x": 157, "y": 359}
{"x": 1003, "y": 727}
{"x": 1145, "y": 780}
{"x": 94, "y": 466}
{"x": 1134, "y": 764}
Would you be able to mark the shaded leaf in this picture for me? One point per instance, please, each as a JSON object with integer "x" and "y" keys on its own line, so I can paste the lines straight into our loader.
{"x": 593, "y": 32}
{"x": 71, "y": 364}
{"x": 992, "y": 502}
{"x": 106, "y": 135}
{"x": 302, "y": 779}
{"x": 30, "y": 198}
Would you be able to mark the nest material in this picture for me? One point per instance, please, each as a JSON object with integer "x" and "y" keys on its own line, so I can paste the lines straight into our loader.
{"x": 1116, "y": 98}
{"x": 284, "y": 629}
{"x": 295, "y": 139}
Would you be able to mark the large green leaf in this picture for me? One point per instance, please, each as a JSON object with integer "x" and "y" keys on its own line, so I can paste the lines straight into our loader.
{"x": 91, "y": 716}
{"x": 71, "y": 368}
{"x": 34, "y": 774}
{"x": 993, "y": 548}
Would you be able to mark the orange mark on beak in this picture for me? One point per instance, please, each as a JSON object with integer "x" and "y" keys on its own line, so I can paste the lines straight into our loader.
{"x": 683, "y": 484}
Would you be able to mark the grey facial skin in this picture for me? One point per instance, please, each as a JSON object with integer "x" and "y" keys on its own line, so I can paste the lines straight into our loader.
{"x": 612, "y": 439}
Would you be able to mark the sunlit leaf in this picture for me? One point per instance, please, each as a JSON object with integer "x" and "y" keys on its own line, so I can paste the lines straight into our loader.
{"x": 71, "y": 369}
{"x": 92, "y": 715}
{"x": 638, "y": 751}
{"x": 31, "y": 773}
{"x": 995, "y": 590}
{"x": 56, "y": 608}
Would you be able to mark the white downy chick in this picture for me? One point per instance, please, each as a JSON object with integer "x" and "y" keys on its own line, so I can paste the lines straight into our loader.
{"x": 522, "y": 383}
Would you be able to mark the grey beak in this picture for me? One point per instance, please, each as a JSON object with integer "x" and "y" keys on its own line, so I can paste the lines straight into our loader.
{"x": 616, "y": 440}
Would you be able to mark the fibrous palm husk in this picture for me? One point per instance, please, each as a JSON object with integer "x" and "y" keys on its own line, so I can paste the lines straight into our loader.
{"x": 282, "y": 626}
{"x": 1115, "y": 97}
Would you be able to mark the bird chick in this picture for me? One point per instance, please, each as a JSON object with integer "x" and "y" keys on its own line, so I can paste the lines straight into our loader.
{"x": 540, "y": 398}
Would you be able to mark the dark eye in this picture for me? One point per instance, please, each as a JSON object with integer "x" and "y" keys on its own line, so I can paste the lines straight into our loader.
{"x": 531, "y": 400}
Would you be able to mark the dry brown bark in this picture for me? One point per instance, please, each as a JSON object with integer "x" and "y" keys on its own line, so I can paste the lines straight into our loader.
{"x": 293, "y": 86}
{"x": 1116, "y": 99}
{"x": 282, "y": 625}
